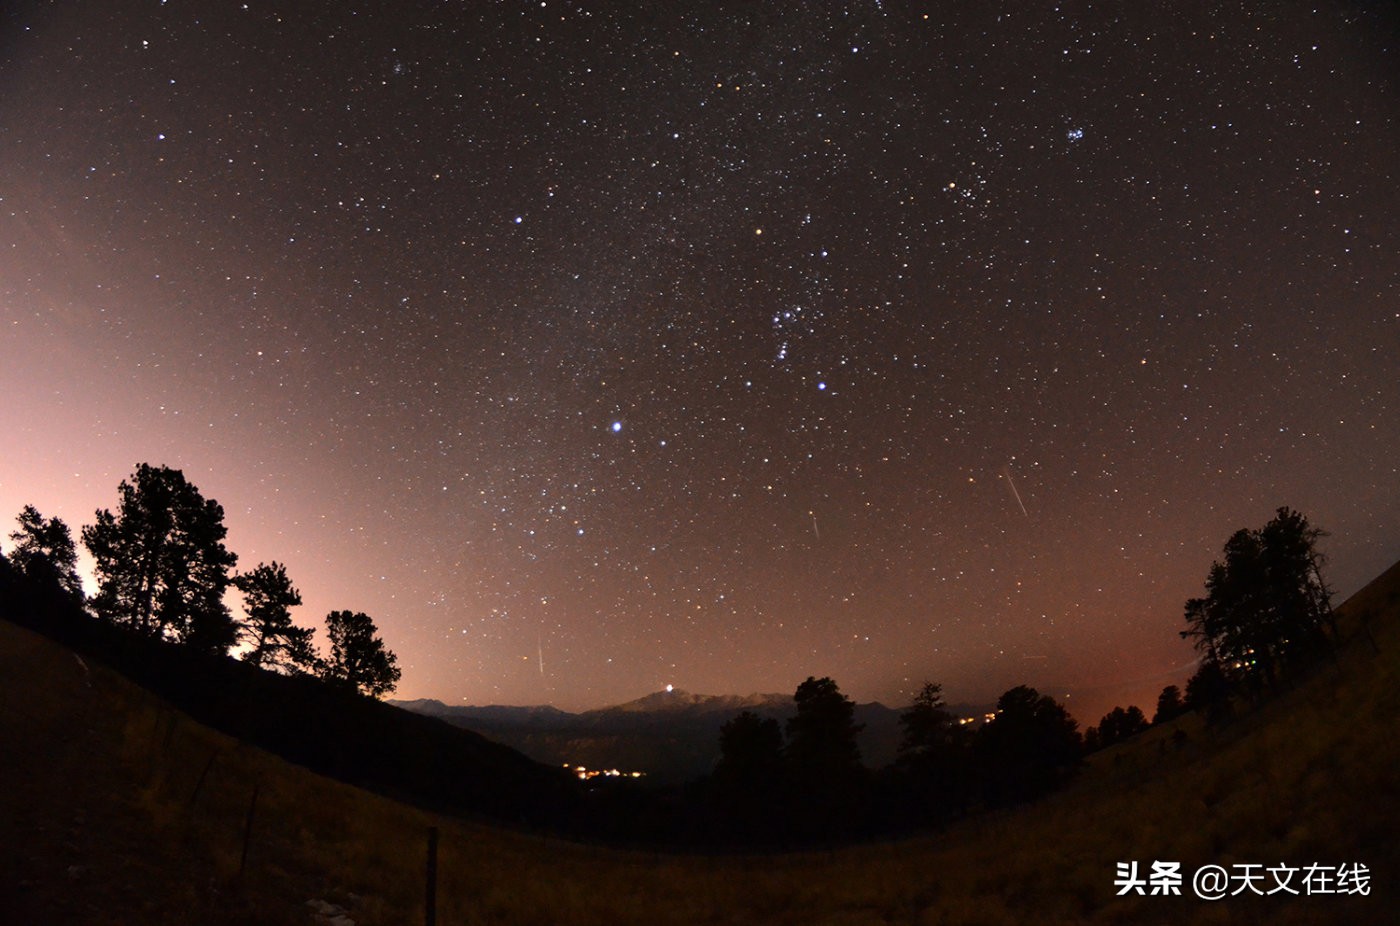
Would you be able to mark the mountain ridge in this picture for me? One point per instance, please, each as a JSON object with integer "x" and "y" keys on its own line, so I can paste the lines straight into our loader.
{"x": 675, "y": 699}
{"x": 670, "y": 736}
{"x": 660, "y": 700}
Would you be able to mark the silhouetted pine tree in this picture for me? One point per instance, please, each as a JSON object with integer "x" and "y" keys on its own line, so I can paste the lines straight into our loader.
{"x": 1119, "y": 724}
{"x": 276, "y": 642}
{"x": 1030, "y": 747}
{"x": 161, "y": 564}
{"x": 934, "y": 762}
{"x": 748, "y": 784}
{"x": 1169, "y": 705}
{"x": 823, "y": 760}
{"x": 44, "y": 552}
{"x": 358, "y": 657}
{"x": 1267, "y": 608}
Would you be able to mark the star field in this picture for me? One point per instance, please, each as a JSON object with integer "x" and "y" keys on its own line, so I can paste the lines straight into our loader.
{"x": 715, "y": 344}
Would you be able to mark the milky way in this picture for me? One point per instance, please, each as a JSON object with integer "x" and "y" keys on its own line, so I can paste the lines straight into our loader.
{"x": 715, "y": 345}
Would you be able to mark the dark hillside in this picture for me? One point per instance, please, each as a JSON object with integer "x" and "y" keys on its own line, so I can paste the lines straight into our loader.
{"x": 120, "y": 809}
{"x": 415, "y": 758}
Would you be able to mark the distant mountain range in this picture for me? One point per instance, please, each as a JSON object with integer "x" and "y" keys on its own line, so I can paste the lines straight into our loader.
{"x": 672, "y": 736}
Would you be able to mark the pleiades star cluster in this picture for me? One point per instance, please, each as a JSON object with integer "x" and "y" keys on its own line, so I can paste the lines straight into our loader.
{"x": 595, "y": 347}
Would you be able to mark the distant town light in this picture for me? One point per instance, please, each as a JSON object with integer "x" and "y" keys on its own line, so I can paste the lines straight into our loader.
{"x": 587, "y": 774}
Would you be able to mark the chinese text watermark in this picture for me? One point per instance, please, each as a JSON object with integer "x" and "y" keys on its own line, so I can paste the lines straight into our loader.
{"x": 1216, "y": 882}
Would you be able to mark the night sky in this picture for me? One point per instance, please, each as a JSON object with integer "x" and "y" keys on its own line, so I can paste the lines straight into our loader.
{"x": 594, "y": 347}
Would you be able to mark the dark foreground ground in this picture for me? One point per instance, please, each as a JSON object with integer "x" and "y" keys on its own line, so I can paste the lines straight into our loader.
{"x": 118, "y": 809}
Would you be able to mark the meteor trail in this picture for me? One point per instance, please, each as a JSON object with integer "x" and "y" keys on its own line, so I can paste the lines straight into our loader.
{"x": 815, "y": 529}
{"x": 539, "y": 644}
{"x": 1011, "y": 482}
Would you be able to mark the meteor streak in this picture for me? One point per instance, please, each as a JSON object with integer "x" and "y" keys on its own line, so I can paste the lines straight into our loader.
{"x": 1011, "y": 482}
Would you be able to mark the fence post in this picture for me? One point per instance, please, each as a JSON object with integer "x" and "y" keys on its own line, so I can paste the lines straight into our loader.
{"x": 199, "y": 785}
{"x": 430, "y": 906}
{"x": 248, "y": 828}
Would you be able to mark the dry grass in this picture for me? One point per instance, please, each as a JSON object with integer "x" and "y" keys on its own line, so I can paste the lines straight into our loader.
{"x": 162, "y": 805}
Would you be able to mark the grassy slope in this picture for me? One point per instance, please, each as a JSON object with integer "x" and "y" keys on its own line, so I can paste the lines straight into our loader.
{"x": 123, "y": 810}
